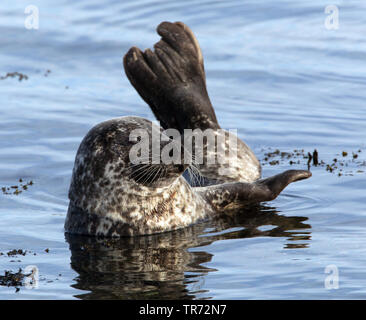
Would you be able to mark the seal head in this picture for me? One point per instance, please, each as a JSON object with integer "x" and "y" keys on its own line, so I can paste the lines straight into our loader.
{"x": 111, "y": 195}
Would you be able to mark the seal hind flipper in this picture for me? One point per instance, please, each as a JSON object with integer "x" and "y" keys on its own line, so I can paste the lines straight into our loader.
{"x": 182, "y": 40}
{"x": 196, "y": 45}
{"x": 145, "y": 81}
{"x": 171, "y": 80}
{"x": 235, "y": 195}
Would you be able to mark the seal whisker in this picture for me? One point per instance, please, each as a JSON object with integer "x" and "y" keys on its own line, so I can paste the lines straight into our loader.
{"x": 137, "y": 170}
{"x": 142, "y": 174}
{"x": 156, "y": 173}
{"x": 160, "y": 172}
{"x": 197, "y": 177}
{"x": 150, "y": 173}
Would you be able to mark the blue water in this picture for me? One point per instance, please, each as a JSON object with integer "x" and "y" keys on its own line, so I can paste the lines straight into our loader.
{"x": 274, "y": 72}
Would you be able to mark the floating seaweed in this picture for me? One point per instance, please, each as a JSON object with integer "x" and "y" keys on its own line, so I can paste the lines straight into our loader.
{"x": 20, "y": 76}
{"x": 13, "y": 279}
{"x": 17, "y": 189}
{"x": 297, "y": 157}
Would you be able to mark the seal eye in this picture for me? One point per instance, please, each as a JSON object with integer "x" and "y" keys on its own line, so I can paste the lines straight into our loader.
{"x": 171, "y": 153}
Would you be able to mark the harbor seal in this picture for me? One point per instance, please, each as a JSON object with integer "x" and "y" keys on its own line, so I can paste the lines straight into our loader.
{"x": 112, "y": 196}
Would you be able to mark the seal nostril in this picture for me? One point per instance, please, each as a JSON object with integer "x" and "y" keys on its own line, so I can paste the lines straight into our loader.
{"x": 181, "y": 167}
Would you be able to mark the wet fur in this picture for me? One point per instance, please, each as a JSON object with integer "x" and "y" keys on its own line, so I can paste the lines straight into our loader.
{"x": 107, "y": 198}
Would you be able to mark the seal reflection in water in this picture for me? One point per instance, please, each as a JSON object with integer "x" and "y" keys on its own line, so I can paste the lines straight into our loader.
{"x": 171, "y": 265}
{"x": 110, "y": 196}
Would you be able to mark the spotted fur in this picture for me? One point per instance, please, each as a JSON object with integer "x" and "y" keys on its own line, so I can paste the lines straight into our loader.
{"x": 108, "y": 199}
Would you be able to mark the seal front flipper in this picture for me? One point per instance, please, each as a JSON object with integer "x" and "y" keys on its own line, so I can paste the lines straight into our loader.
{"x": 171, "y": 79}
{"x": 237, "y": 194}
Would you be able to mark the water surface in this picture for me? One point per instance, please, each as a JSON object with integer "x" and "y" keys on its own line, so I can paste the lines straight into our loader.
{"x": 274, "y": 72}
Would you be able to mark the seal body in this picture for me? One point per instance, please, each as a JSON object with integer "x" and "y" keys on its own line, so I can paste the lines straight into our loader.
{"x": 235, "y": 161}
{"x": 133, "y": 214}
{"x": 112, "y": 196}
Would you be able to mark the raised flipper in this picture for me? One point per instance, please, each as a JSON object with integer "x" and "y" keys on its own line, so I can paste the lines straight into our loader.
{"x": 171, "y": 79}
{"x": 234, "y": 195}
